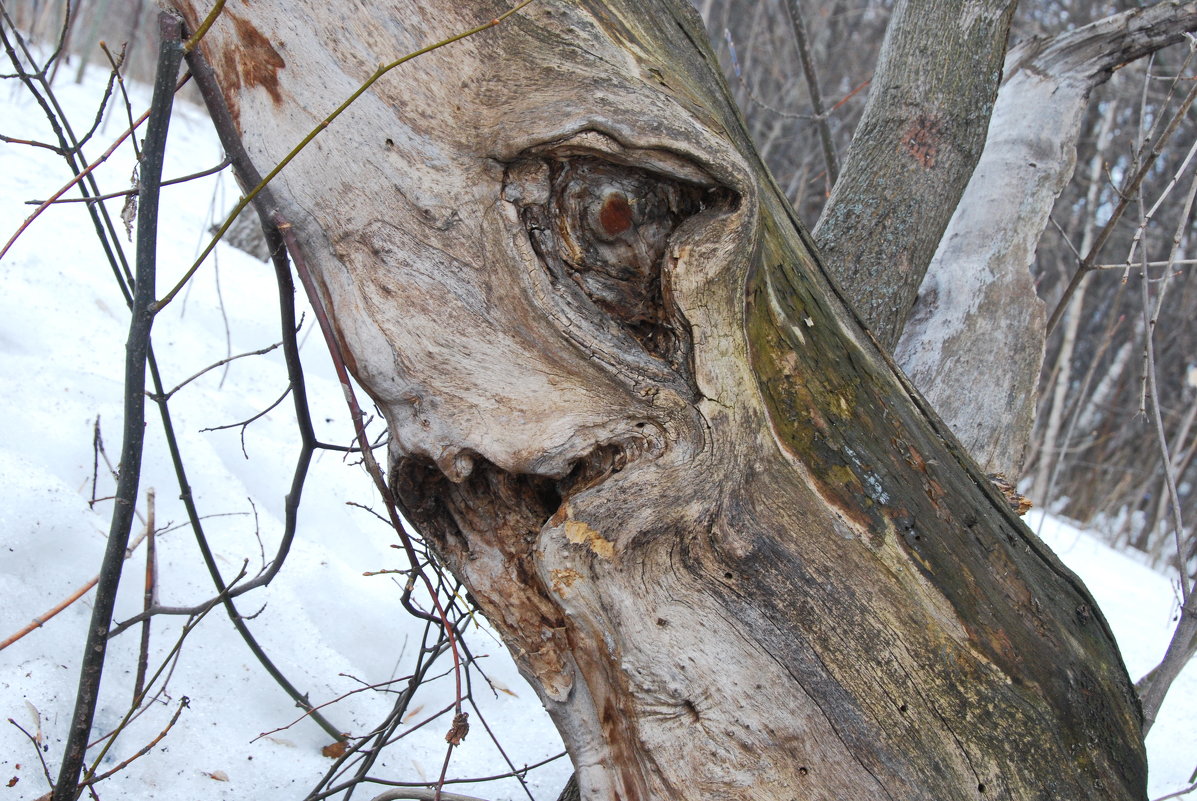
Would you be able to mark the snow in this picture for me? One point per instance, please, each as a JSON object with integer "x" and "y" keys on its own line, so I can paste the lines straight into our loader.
{"x": 1141, "y": 607}
{"x": 328, "y": 627}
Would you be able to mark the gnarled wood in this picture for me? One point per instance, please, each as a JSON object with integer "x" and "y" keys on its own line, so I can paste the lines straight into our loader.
{"x": 722, "y": 538}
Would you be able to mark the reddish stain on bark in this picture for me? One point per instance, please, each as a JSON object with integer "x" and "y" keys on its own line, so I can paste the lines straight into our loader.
{"x": 923, "y": 139}
{"x": 253, "y": 62}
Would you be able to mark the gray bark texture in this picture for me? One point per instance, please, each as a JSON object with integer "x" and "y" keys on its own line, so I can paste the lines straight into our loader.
{"x": 726, "y": 542}
{"x": 975, "y": 339}
{"x": 920, "y": 137}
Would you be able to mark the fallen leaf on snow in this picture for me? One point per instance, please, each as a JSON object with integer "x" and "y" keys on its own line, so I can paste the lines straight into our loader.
{"x": 335, "y": 750}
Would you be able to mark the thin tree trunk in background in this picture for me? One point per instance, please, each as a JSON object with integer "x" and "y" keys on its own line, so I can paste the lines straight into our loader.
{"x": 811, "y": 74}
{"x": 729, "y": 546}
{"x": 921, "y": 135}
{"x": 974, "y": 344}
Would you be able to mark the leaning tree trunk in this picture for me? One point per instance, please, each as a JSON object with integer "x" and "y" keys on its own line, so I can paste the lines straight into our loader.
{"x": 727, "y": 544}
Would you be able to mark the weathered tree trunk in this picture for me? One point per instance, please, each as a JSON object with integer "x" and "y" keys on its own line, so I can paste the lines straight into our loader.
{"x": 725, "y": 541}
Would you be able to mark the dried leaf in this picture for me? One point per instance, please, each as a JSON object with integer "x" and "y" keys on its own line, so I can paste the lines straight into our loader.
{"x": 413, "y": 713}
{"x": 1019, "y": 503}
{"x": 499, "y": 687}
{"x": 459, "y": 729}
{"x": 129, "y": 214}
{"x": 37, "y": 722}
{"x": 217, "y": 775}
{"x": 335, "y": 750}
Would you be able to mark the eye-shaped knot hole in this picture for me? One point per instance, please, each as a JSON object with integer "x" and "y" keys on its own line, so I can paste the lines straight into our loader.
{"x": 605, "y": 228}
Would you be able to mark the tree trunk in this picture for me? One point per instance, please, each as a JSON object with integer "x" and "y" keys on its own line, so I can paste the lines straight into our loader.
{"x": 920, "y": 137}
{"x": 975, "y": 340}
{"x": 725, "y": 541}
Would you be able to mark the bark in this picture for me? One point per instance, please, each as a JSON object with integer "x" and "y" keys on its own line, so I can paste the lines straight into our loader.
{"x": 1061, "y": 381}
{"x": 975, "y": 340}
{"x": 726, "y": 543}
{"x": 917, "y": 143}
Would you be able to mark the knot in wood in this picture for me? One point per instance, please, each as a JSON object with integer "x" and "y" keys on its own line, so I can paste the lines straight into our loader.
{"x": 614, "y": 215}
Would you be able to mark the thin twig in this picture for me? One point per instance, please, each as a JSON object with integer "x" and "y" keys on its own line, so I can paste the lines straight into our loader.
{"x": 37, "y": 747}
{"x": 150, "y": 595}
{"x": 97, "y": 446}
{"x": 100, "y": 109}
{"x": 41, "y": 620}
{"x": 116, "y": 70}
{"x": 129, "y": 192}
{"x": 12, "y": 140}
{"x": 184, "y": 702}
{"x": 812, "y": 88}
{"x": 136, "y": 352}
{"x": 72, "y": 154}
{"x": 472, "y": 779}
{"x": 1128, "y": 191}
{"x": 425, "y": 659}
{"x": 1154, "y": 687}
{"x": 338, "y": 699}
{"x": 81, "y": 175}
{"x": 752, "y": 96}
{"x": 244, "y": 424}
{"x": 138, "y": 707}
{"x": 502, "y": 752}
{"x": 418, "y": 794}
{"x": 1178, "y": 793}
{"x": 1172, "y": 263}
{"x": 213, "y": 366}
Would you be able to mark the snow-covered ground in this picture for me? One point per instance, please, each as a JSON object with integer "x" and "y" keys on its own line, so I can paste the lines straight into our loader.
{"x": 328, "y": 627}
{"x": 63, "y": 324}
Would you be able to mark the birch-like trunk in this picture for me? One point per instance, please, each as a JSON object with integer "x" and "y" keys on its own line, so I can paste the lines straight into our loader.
{"x": 722, "y": 536}
{"x": 975, "y": 339}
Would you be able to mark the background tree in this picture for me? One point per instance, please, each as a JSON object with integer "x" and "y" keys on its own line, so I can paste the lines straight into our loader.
{"x": 1086, "y": 444}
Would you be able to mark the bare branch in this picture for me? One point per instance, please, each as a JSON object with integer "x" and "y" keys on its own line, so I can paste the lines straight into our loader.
{"x": 137, "y": 351}
{"x": 812, "y": 87}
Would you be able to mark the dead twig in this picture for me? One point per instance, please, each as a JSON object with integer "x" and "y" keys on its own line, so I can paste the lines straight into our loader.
{"x": 81, "y": 175}
{"x": 129, "y": 192}
{"x": 150, "y": 596}
{"x": 812, "y": 88}
{"x": 1178, "y": 793}
{"x": 136, "y": 354}
{"x": 1128, "y": 191}
{"x": 168, "y": 395}
{"x": 184, "y": 702}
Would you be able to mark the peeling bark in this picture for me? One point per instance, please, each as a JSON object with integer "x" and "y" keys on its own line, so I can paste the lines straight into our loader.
{"x": 725, "y": 542}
